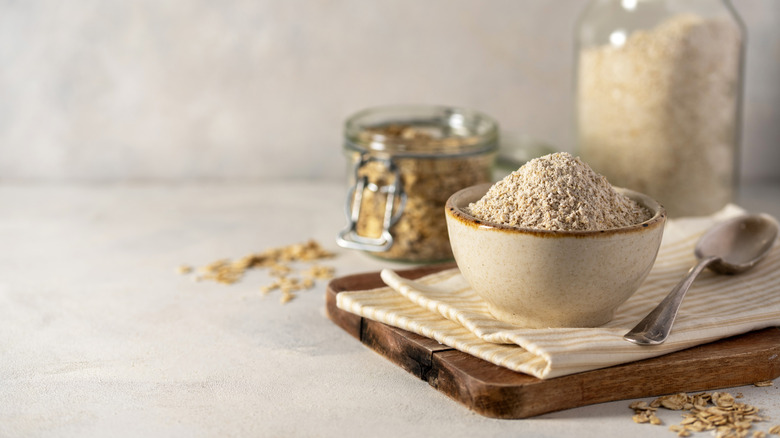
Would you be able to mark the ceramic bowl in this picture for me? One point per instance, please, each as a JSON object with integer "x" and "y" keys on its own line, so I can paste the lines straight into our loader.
{"x": 539, "y": 278}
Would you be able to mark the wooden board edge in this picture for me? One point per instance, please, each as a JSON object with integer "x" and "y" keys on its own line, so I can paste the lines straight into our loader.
{"x": 511, "y": 395}
{"x": 408, "y": 350}
{"x": 412, "y": 352}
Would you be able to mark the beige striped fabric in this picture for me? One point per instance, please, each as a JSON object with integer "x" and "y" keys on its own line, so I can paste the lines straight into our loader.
{"x": 443, "y": 307}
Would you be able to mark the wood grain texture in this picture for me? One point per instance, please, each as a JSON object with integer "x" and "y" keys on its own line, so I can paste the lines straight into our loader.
{"x": 498, "y": 392}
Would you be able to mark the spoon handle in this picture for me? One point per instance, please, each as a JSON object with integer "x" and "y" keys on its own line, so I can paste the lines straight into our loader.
{"x": 655, "y": 328}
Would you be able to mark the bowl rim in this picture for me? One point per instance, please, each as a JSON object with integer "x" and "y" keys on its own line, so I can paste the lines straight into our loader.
{"x": 454, "y": 209}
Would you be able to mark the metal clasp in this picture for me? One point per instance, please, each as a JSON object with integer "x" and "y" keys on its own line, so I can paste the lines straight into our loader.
{"x": 349, "y": 237}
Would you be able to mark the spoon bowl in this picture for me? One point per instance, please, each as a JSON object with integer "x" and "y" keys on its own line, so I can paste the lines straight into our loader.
{"x": 731, "y": 247}
{"x": 738, "y": 243}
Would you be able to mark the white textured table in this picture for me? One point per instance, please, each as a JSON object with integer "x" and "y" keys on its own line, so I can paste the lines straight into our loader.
{"x": 100, "y": 337}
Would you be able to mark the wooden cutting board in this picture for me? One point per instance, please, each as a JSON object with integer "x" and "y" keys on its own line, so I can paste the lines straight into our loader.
{"x": 498, "y": 392}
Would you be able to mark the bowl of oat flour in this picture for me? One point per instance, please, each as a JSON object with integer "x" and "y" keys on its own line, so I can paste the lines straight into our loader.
{"x": 554, "y": 244}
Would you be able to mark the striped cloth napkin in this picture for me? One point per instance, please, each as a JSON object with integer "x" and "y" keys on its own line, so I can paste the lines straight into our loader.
{"x": 443, "y": 307}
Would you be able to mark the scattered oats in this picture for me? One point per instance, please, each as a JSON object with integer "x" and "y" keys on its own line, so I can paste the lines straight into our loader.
{"x": 644, "y": 413}
{"x": 280, "y": 270}
{"x": 557, "y": 192}
{"x": 320, "y": 272}
{"x": 184, "y": 269}
{"x": 675, "y": 402}
{"x": 763, "y": 383}
{"x": 775, "y": 430}
{"x": 680, "y": 431}
{"x": 718, "y": 412}
{"x": 286, "y": 297}
{"x": 722, "y": 399}
{"x": 269, "y": 288}
{"x": 759, "y": 434}
{"x": 639, "y": 405}
{"x": 289, "y": 285}
{"x": 277, "y": 261}
{"x": 221, "y": 271}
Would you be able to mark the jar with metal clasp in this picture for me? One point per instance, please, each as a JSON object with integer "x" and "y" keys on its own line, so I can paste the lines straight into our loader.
{"x": 404, "y": 163}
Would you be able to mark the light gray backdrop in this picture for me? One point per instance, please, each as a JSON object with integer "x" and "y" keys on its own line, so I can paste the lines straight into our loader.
{"x": 116, "y": 90}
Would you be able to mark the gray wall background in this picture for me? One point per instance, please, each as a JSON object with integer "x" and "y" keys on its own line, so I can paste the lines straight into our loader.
{"x": 147, "y": 90}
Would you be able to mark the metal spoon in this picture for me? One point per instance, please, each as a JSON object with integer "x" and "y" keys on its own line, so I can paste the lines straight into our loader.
{"x": 731, "y": 247}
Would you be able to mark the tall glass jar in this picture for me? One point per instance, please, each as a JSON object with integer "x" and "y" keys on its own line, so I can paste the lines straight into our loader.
{"x": 405, "y": 162}
{"x": 658, "y": 103}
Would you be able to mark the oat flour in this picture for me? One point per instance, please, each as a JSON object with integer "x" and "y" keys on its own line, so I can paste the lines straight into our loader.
{"x": 557, "y": 192}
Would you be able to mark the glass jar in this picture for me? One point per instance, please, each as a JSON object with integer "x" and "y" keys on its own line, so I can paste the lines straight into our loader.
{"x": 405, "y": 162}
{"x": 658, "y": 103}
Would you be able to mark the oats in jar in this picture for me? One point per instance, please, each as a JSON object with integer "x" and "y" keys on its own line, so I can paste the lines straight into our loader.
{"x": 407, "y": 161}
